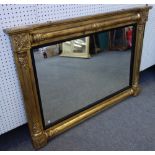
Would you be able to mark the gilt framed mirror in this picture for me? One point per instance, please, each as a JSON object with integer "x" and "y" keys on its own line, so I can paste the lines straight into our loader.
{"x": 70, "y": 70}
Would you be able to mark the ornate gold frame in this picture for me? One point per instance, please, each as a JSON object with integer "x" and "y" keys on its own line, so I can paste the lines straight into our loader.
{"x": 24, "y": 38}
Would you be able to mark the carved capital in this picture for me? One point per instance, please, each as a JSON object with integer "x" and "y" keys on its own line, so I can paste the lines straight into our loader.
{"x": 21, "y": 41}
{"x": 23, "y": 59}
{"x": 140, "y": 28}
{"x": 144, "y": 16}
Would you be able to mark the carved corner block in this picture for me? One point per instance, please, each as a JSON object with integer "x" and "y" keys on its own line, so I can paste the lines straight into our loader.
{"x": 39, "y": 140}
{"x": 21, "y": 41}
{"x": 144, "y": 15}
{"x": 136, "y": 90}
{"x": 39, "y": 136}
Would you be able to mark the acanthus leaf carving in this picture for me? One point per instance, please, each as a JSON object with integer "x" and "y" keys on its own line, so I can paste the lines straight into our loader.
{"x": 21, "y": 41}
{"x": 23, "y": 59}
{"x": 144, "y": 16}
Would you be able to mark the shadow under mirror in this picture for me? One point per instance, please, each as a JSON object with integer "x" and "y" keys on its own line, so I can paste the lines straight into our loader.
{"x": 77, "y": 73}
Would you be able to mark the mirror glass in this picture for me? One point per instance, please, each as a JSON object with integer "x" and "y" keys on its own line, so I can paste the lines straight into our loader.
{"x": 78, "y": 73}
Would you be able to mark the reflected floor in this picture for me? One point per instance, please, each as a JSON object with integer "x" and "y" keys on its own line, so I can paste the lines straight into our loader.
{"x": 69, "y": 84}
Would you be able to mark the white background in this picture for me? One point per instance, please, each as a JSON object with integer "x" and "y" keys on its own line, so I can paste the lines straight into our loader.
{"x": 12, "y": 112}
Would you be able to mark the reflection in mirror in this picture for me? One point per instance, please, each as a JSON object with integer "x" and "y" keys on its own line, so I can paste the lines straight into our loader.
{"x": 76, "y": 48}
{"x": 77, "y": 73}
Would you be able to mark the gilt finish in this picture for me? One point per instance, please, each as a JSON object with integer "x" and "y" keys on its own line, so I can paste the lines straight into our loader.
{"x": 24, "y": 38}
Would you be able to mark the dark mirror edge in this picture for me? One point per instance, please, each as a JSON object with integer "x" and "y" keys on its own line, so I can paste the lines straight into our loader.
{"x": 92, "y": 104}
